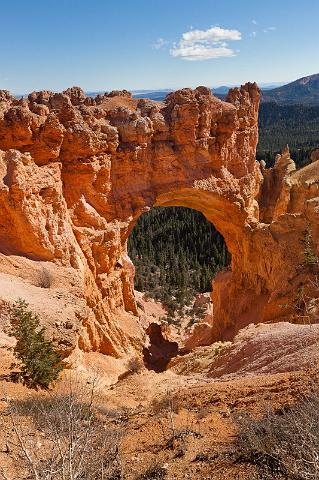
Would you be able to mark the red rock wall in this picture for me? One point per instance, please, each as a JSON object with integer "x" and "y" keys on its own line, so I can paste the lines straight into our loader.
{"x": 77, "y": 172}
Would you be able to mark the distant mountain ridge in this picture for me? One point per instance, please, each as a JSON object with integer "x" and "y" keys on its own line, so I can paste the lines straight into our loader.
{"x": 304, "y": 91}
{"x": 219, "y": 92}
{"x": 160, "y": 94}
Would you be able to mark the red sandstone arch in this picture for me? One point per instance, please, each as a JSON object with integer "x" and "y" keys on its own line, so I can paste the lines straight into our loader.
{"x": 77, "y": 172}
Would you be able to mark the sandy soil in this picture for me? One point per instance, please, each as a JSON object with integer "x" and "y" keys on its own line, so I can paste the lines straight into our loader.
{"x": 251, "y": 375}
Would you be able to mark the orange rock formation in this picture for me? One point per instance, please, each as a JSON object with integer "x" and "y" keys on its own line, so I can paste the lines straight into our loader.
{"x": 77, "y": 172}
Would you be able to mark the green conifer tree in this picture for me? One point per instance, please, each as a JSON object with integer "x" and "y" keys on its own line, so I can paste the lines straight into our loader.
{"x": 38, "y": 362}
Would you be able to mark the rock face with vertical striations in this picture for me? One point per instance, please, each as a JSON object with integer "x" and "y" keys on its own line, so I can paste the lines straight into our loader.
{"x": 76, "y": 173}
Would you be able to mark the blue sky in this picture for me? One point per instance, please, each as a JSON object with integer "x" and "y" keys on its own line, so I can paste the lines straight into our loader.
{"x": 150, "y": 44}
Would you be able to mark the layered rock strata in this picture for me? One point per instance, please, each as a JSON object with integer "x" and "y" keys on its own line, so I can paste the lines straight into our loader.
{"x": 76, "y": 173}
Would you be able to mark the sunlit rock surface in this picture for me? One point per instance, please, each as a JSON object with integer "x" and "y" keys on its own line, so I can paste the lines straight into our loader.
{"x": 77, "y": 172}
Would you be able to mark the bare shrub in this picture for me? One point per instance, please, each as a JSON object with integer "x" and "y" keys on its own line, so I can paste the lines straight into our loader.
{"x": 154, "y": 472}
{"x": 170, "y": 402}
{"x": 44, "y": 278}
{"x": 63, "y": 437}
{"x": 167, "y": 409}
{"x": 306, "y": 302}
{"x": 135, "y": 365}
{"x": 283, "y": 444}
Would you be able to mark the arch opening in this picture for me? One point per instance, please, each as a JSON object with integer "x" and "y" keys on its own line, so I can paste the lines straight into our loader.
{"x": 177, "y": 253}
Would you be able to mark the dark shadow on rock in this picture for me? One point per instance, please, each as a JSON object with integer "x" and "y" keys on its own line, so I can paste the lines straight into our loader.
{"x": 159, "y": 353}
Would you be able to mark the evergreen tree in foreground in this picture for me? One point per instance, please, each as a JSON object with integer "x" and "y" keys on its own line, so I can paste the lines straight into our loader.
{"x": 38, "y": 362}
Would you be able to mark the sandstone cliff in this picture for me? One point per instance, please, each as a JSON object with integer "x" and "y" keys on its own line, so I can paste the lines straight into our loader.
{"x": 77, "y": 172}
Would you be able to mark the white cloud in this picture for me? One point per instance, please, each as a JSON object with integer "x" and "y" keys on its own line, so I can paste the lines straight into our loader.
{"x": 254, "y": 22}
{"x": 201, "y": 52}
{"x": 214, "y": 35}
{"x": 269, "y": 29}
{"x": 205, "y": 44}
{"x": 160, "y": 43}
{"x": 253, "y": 34}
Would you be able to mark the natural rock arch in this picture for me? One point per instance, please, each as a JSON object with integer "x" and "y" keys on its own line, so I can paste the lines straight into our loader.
{"x": 78, "y": 171}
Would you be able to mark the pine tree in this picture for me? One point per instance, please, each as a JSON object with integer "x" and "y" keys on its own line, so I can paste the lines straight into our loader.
{"x": 39, "y": 363}
{"x": 310, "y": 257}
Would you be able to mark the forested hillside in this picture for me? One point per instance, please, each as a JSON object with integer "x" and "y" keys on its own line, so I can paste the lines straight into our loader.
{"x": 295, "y": 125}
{"x": 176, "y": 252}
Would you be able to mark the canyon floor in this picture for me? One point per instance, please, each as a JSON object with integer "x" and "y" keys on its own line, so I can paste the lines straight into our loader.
{"x": 181, "y": 423}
